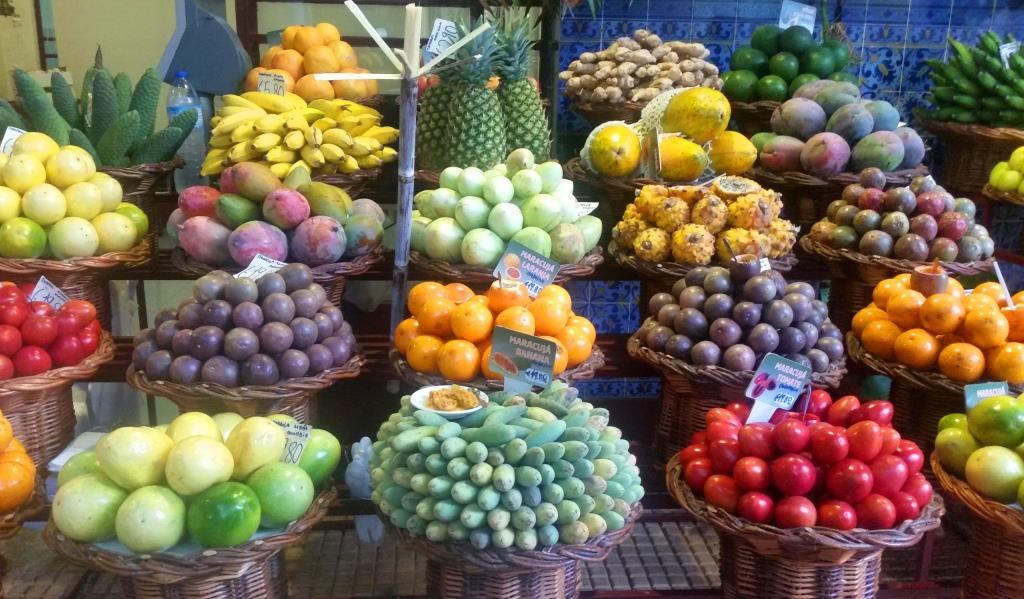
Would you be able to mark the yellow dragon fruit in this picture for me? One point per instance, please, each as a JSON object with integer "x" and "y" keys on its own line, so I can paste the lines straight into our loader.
{"x": 731, "y": 187}
{"x": 688, "y": 193}
{"x": 751, "y": 211}
{"x": 652, "y": 245}
{"x": 783, "y": 237}
{"x": 693, "y": 244}
{"x": 742, "y": 241}
{"x": 649, "y": 199}
{"x": 711, "y": 212}
{"x": 672, "y": 214}
{"x": 624, "y": 233}
{"x": 630, "y": 212}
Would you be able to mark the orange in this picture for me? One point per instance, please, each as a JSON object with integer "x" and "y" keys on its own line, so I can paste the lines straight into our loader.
{"x": 916, "y": 348}
{"x": 405, "y": 332}
{"x": 320, "y": 59}
{"x": 18, "y": 457}
{"x": 485, "y": 364}
{"x": 1005, "y": 363}
{"x": 986, "y": 328}
{"x": 309, "y": 89}
{"x": 344, "y": 53}
{"x": 371, "y": 87}
{"x": 955, "y": 289}
{"x": 269, "y": 56}
{"x": 577, "y": 344}
{"x": 352, "y": 89}
{"x": 252, "y": 79}
{"x": 561, "y": 356}
{"x": 422, "y": 354}
{"x": 436, "y": 316}
{"x": 1016, "y": 320}
{"x": 904, "y": 308}
{"x": 962, "y": 362}
{"x": 903, "y": 279}
{"x": 16, "y": 484}
{"x": 328, "y": 32}
{"x": 458, "y": 293}
{"x": 559, "y": 292}
{"x": 288, "y": 36}
{"x": 586, "y": 325}
{"x": 16, "y": 445}
{"x": 517, "y": 318}
{"x": 948, "y": 339}
{"x": 481, "y": 299}
{"x": 6, "y": 433}
{"x": 879, "y": 337}
{"x": 550, "y": 315}
{"x": 993, "y": 290}
{"x": 289, "y": 81}
{"x": 459, "y": 361}
{"x": 472, "y": 321}
{"x": 511, "y": 294}
{"x": 306, "y": 38}
{"x": 866, "y": 315}
{"x": 1018, "y": 298}
{"x": 979, "y": 301}
{"x": 419, "y": 294}
{"x": 289, "y": 61}
{"x": 884, "y": 289}
{"x": 942, "y": 313}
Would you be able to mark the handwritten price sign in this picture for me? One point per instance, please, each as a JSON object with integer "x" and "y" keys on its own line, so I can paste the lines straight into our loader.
{"x": 45, "y": 291}
{"x": 272, "y": 83}
{"x": 297, "y": 438}
{"x": 260, "y": 267}
{"x": 443, "y": 34}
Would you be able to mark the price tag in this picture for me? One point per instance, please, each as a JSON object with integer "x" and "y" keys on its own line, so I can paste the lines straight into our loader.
{"x": 10, "y": 135}
{"x": 797, "y": 13}
{"x": 765, "y": 264}
{"x": 260, "y": 266}
{"x": 1005, "y": 50}
{"x": 777, "y": 383}
{"x": 979, "y": 391}
{"x": 297, "y": 437}
{"x": 586, "y": 208}
{"x": 443, "y": 34}
{"x": 526, "y": 266}
{"x": 45, "y": 291}
{"x": 272, "y": 83}
{"x": 524, "y": 360}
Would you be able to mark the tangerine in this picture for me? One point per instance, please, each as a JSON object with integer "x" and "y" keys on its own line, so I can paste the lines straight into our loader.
{"x": 422, "y": 353}
{"x": 904, "y": 308}
{"x": 288, "y": 36}
{"x": 458, "y": 293}
{"x": 517, "y": 318}
{"x": 903, "y": 279}
{"x": 993, "y": 290}
{"x": 501, "y": 296}
{"x": 459, "y": 360}
{"x": 1016, "y": 320}
{"x": 962, "y": 362}
{"x": 559, "y": 292}
{"x": 942, "y": 313}
{"x": 550, "y": 315}
{"x": 309, "y": 89}
{"x": 916, "y": 348}
{"x": 344, "y": 53}
{"x": 586, "y": 325}
{"x": 6, "y": 433}
{"x": 16, "y": 484}
{"x": 15, "y": 445}
{"x": 419, "y": 294}
{"x": 885, "y": 289}
{"x": 1005, "y": 363}
{"x": 577, "y": 344}
{"x": 485, "y": 364}
{"x": 1018, "y": 298}
{"x": 948, "y": 339}
{"x": 328, "y": 32}
{"x": 269, "y": 56}
{"x": 18, "y": 457}
{"x": 306, "y": 38}
{"x": 320, "y": 59}
{"x": 869, "y": 313}
{"x": 289, "y": 61}
{"x": 405, "y": 332}
{"x": 561, "y": 356}
{"x": 954, "y": 288}
{"x": 986, "y": 328}
{"x": 879, "y": 338}
{"x": 435, "y": 316}
{"x": 472, "y": 321}
{"x": 979, "y": 301}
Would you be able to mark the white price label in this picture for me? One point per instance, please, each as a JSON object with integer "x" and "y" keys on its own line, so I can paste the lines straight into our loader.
{"x": 587, "y": 208}
{"x": 10, "y": 135}
{"x": 443, "y": 34}
{"x": 45, "y": 291}
{"x": 272, "y": 83}
{"x": 259, "y": 267}
{"x": 765, "y": 264}
{"x": 1005, "y": 50}
{"x": 297, "y": 436}
{"x": 797, "y": 13}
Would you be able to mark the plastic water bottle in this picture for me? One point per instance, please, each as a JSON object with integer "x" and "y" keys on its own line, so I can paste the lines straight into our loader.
{"x": 184, "y": 97}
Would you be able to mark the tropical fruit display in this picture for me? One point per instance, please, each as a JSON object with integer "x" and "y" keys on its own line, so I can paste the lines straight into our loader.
{"x": 974, "y": 85}
{"x": 695, "y": 225}
{"x": 17, "y": 471}
{"x": 214, "y": 481}
{"x": 1008, "y": 175}
{"x": 982, "y": 447}
{"x": 236, "y": 332}
{"x": 35, "y": 338}
{"x": 449, "y": 328}
{"x": 826, "y": 129}
{"x": 927, "y": 322}
{"x": 110, "y": 119}
{"x": 54, "y": 204}
{"x": 778, "y": 61}
{"x": 285, "y": 133}
{"x": 919, "y": 222}
{"x": 309, "y": 49}
{"x": 527, "y": 471}
{"x": 833, "y": 464}
{"x": 474, "y": 214}
{"x": 638, "y": 68}
{"x": 254, "y": 212}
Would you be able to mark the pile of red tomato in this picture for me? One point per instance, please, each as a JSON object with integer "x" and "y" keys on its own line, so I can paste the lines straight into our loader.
{"x": 840, "y": 465}
{"x": 35, "y": 338}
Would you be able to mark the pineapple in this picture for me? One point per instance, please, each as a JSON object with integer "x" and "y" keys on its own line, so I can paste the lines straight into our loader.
{"x": 711, "y": 212}
{"x": 783, "y": 237}
{"x": 671, "y": 214}
{"x": 432, "y": 126}
{"x": 741, "y": 241}
{"x": 649, "y": 199}
{"x": 693, "y": 244}
{"x": 752, "y": 211}
{"x": 625, "y": 232}
{"x": 652, "y": 245}
{"x": 525, "y": 120}
{"x": 476, "y": 126}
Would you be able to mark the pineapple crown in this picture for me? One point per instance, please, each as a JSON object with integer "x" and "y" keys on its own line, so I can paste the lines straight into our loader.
{"x": 515, "y": 31}
{"x": 478, "y": 71}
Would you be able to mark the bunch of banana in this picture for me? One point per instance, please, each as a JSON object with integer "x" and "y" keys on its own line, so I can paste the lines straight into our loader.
{"x": 283, "y": 132}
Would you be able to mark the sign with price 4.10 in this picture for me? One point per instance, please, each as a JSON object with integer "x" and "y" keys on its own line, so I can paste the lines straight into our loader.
{"x": 524, "y": 360}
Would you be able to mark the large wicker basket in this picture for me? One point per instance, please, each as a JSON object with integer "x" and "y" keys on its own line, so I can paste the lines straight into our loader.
{"x": 673, "y": 271}
{"x": 753, "y": 117}
{"x": 581, "y": 372}
{"x": 620, "y": 191}
{"x": 353, "y": 183}
{"x": 11, "y": 522}
{"x": 153, "y": 180}
{"x": 766, "y": 562}
{"x": 603, "y": 112}
{"x": 249, "y": 571}
{"x": 970, "y": 151}
{"x": 439, "y": 270}
{"x": 40, "y": 409}
{"x": 292, "y": 396}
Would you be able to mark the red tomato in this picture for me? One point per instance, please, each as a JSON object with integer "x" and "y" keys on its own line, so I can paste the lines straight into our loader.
{"x": 31, "y": 360}
{"x": 818, "y": 403}
{"x": 836, "y": 514}
{"x": 807, "y": 418}
{"x": 721, "y": 491}
{"x": 918, "y": 486}
{"x": 793, "y": 474}
{"x": 890, "y": 440}
{"x": 840, "y": 410}
{"x": 67, "y": 324}
{"x": 26, "y": 289}
{"x": 876, "y": 512}
{"x": 94, "y": 328}
{"x": 829, "y": 445}
{"x": 10, "y": 294}
{"x": 814, "y": 426}
{"x": 40, "y": 308}
{"x": 879, "y": 410}
{"x": 13, "y": 313}
{"x": 794, "y": 512}
{"x": 756, "y": 440}
{"x": 849, "y": 480}
{"x": 6, "y": 368}
{"x": 890, "y": 474}
{"x": 791, "y": 436}
{"x": 39, "y": 330}
{"x": 756, "y": 507}
{"x": 742, "y": 410}
{"x": 692, "y": 452}
{"x": 719, "y": 430}
{"x": 83, "y": 310}
{"x": 699, "y": 438}
{"x": 722, "y": 415}
{"x": 751, "y": 474}
{"x": 10, "y": 339}
{"x": 66, "y": 351}
{"x": 696, "y": 472}
{"x": 909, "y": 452}
{"x": 865, "y": 440}
{"x": 906, "y": 506}
{"x": 89, "y": 342}
{"x": 723, "y": 454}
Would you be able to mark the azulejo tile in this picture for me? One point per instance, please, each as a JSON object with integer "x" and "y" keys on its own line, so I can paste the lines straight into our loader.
{"x": 713, "y": 31}
{"x": 880, "y": 68}
{"x": 927, "y": 35}
{"x": 972, "y": 15}
{"x": 760, "y": 10}
{"x": 719, "y": 53}
{"x": 714, "y": 9}
{"x": 886, "y": 33}
{"x": 580, "y": 29}
{"x": 916, "y": 74}
{"x": 614, "y": 291}
{"x": 642, "y": 388}
{"x": 935, "y": 12}
{"x": 665, "y": 9}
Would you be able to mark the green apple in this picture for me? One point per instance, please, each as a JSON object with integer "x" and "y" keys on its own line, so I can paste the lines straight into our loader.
{"x": 224, "y": 515}
{"x": 191, "y": 424}
{"x": 134, "y": 456}
{"x": 150, "y": 520}
{"x": 85, "y": 509}
{"x": 197, "y": 463}
{"x": 255, "y": 442}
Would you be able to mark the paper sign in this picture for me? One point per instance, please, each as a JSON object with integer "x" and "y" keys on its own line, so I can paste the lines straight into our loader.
{"x": 297, "y": 437}
{"x": 10, "y": 135}
{"x": 443, "y": 34}
{"x": 524, "y": 360}
{"x": 797, "y": 13}
{"x": 777, "y": 383}
{"x": 519, "y": 263}
{"x": 1005, "y": 50}
{"x": 765, "y": 264}
{"x": 272, "y": 83}
{"x": 45, "y": 291}
{"x": 979, "y": 391}
{"x": 586, "y": 208}
{"x": 260, "y": 266}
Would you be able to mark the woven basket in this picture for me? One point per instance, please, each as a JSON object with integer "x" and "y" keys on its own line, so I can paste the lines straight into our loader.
{"x": 154, "y": 179}
{"x": 325, "y": 274}
{"x": 353, "y": 183}
{"x": 439, "y": 270}
{"x": 1002, "y": 196}
{"x": 458, "y": 570}
{"x": 603, "y": 112}
{"x": 243, "y": 572}
{"x": 995, "y": 556}
{"x": 673, "y": 271}
{"x": 607, "y": 188}
{"x": 10, "y": 523}
{"x": 292, "y": 396}
{"x": 584, "y": 371}
{"x": 39, "y": 407}
{"x": 763, "y": 561}
{"x": 753, "y": 117}
{"x": 970, "y": 151}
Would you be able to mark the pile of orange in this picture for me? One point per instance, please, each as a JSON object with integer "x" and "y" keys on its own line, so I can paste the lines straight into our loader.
{"x": 449, "y": 332}
{"x": 307, "y": 50}
{"x": 964, "y": 336}
{"x": 17, "y": 472}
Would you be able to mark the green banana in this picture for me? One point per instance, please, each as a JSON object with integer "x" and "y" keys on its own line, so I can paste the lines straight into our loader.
{"x": 964, "y": 56}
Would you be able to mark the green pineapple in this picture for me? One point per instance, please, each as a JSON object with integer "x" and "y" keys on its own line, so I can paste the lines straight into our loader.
{"x": 520, "y": 101}
{"x": 475, "y": 126}
{"x": 432, "y": 125}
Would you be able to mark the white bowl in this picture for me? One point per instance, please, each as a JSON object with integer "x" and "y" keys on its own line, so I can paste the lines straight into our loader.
{"x": 419, "y": 400}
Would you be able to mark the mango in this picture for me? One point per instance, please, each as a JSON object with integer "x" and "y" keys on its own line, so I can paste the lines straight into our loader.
{"x": 825, "y": 155}
{"x": 327, "y": 200}
{"x": 205, "y": 240}
{"x": 285, "y": 208}
{"x": 852, "y": 122}
{"x": 318, "y": 240}
{"x": 234, "y": 210}
{"x": 882, "y": 149}
{"x": 913, "y": 147}
{"x": 887, "y": 118}
{"x": 257, "y": 237}
{"x": 836, "y": 95}
{"x": 781, "y": 154}
{"x": 363, "y": 233}
{"x": 798, "y": 117}
{"x": 254, "y": 181}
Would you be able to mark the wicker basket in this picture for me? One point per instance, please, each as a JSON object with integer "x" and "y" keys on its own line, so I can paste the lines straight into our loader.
{"x": 603, "y": 112}
{"x": 154, "y": 179}
{"x": 292, "y": 396}
{"x": 39, "y": 407}
{"x": 970, "y": 151}
{"x": 583, "y": 371}
{"x": 763, "y": 561}
{"x": 249, "y": 571}
{"x": 1002, "y": 196}
{"x": 995, "y": 556}
{"x": 753, "y": 117}
{"x": 458, "y": 570}
{"x": 353, "y": 183}
{"x": 603, "y": 188}
{"x": 439, "y": 270}
{"x": 10, "y": 523}
{"x": 673, "y": 271}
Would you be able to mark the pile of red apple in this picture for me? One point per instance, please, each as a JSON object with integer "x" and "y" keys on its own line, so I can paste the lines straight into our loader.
{"x": 836, "y": 464}
{"x": 35, "y": 338}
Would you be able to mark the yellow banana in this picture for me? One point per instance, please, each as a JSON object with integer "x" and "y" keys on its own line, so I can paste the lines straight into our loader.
{"x": 243, "y": 132}
{"x": 359, "y": 148}
{"x": 270, "y": 102}
{"x": 215, "y": 154}
{"x": 280, "y": 169}
{"x": 229, "y": 123}
{"x": 328, "y": 169}
{"x": 385, "y": 135}
{"x": 211, "y": 168}
{"x": 215, "y": 120}
{"x": 236, "y": 100}
{"x": 310, "y": 115}
{"x": 312, "y": 156}
{"x": 386, "y": 154}
{"x": 338, "y": 137}
{"x": 282, "y": 154}
{"x": 368, "y": 162}
{"x": 355, "y": 107}
{"x": 242, "y": 152}
{"x": 265, "y": 141}
{"x": 296, "y": 100}
{"x": 272, "y": 123}
{"x": 314, "y": 137}
{"x": 358, "y": 124}
{"x": 294, "y": 140}
{"x": 325, "y": 123}
{"x": 300, "y": 164}
{"x": 370, "y": 142}
{"x": 220, "y": 141}
{"x": 296, "y": 123}
{"x": 230, "y": 110}
{"x": 332, "y": 153}
{"x": 348, "y": 164}
{"x": 328, "y": 107}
